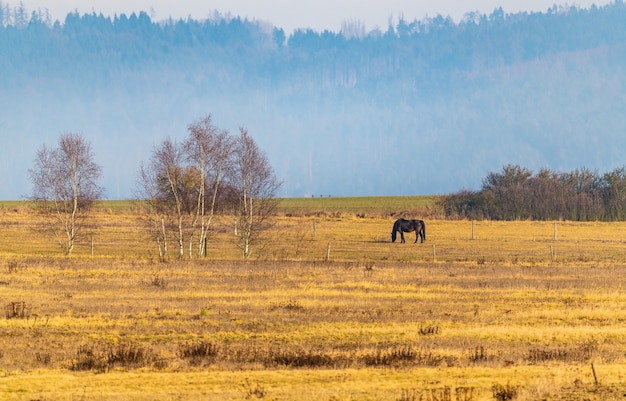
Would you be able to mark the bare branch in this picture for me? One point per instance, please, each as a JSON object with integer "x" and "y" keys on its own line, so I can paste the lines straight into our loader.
{"x": 65, "y": 186}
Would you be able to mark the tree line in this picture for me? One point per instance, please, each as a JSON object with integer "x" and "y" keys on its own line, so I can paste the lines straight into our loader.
{"x": 516, "y": 193}
{"x": 181, "y": 188}
{"x": 434, "y": 46}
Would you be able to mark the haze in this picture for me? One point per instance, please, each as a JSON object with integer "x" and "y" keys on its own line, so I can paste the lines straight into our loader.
{"x": 430, "y": 107}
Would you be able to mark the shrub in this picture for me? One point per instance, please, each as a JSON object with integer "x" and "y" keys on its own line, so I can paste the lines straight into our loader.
{"x": 197, "y": 352}
{"x": 504, "y": 393}
{"x": 17, "y": 310}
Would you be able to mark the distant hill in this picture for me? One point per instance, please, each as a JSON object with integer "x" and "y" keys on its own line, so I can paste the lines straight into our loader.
{"x": 424, "y": 107}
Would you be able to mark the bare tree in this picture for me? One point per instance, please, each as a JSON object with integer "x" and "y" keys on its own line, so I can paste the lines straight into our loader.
{"x": 180, "y": 186}
{"x": 256, "y": 184}
{"x": 165, "y": 185}
{"x": 183, "y": 187}
{"x": 210, "y": 152}
{"x": 65, "y": 186}
{"x": 148, "y": 191}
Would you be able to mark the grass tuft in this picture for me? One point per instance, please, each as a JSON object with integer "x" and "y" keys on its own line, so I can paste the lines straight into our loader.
{"x": 125, "y": 355}
{"x": 405, "y": 355}
{"x": 88, "y": 360}
{"x": 504, "y": 393}
{"x": 428, "y": 330}
{"x": 252, "y": 390}
{"x": 198, "y": 352}
{"x": 581, "y": 353}
{"x": 17, "y": 310}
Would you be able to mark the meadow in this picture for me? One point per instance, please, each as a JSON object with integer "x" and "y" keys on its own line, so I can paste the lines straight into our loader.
{"x": 326, "y": 309}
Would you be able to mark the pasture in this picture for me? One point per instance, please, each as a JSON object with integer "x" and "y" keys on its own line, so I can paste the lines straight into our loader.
{"x": 327, "y": 309}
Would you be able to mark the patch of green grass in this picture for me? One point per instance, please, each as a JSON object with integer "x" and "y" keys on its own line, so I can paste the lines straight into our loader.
{"x": 364, "y": 206}
{"x": 356, "y": 205}
{"x": 12, "y": 204}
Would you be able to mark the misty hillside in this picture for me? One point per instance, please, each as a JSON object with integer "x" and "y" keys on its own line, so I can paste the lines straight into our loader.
{"x": 423, "y": 107}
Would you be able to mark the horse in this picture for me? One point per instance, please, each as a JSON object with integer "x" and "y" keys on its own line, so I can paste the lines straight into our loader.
{"x": 407, "y": 226}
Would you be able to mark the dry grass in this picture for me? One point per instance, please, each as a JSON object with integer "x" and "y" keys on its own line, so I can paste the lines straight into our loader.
{"x": 488, "y": 318}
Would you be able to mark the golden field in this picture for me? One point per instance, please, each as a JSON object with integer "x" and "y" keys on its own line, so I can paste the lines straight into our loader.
{"x": 327, "y": 309}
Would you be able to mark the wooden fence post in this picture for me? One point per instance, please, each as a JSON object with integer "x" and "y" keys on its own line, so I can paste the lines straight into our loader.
{"x": 595, "y": 377}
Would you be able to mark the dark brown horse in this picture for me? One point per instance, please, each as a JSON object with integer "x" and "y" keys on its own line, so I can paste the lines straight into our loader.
{"x": 406, "y": 226}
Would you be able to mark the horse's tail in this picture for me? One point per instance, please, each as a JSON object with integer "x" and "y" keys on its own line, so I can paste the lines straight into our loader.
{"x": 424, "y": 229}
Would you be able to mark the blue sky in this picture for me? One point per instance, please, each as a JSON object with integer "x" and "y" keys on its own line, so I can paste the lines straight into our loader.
{"x": 292, "y": 14}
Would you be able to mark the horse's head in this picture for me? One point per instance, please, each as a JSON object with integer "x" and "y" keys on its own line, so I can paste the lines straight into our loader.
{"x": 393, "y": 236}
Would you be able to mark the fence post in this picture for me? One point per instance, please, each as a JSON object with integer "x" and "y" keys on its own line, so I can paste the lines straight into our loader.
{"x": 328, "y": 252}
{"x": 555, "y": 230}
{"x": 472, "y": 229}
{"x": 434, "y": 254}
{"x": 595, "y": 377}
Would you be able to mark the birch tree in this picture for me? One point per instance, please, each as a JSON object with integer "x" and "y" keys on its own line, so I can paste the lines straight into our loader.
{"x": 180, "y": 186}
{"x": 148, "y": 189}
{"x": 256, "y": 185}
{"x": 65, "y": 187}
{"x": 183, "y": 187}
{"x": 209, "y": 150}
{"x": 168, "y": 178}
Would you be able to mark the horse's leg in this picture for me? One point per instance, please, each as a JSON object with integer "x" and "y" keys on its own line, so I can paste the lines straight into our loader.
{"x": 415, "y": 227}
{"x": 402, "y": 237}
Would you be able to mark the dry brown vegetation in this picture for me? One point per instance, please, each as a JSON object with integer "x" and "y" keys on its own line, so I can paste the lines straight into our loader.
{"x": 329, "y": 309}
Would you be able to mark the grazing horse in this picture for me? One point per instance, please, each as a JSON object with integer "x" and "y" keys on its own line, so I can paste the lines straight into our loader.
{"x": 407, "y": 226}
